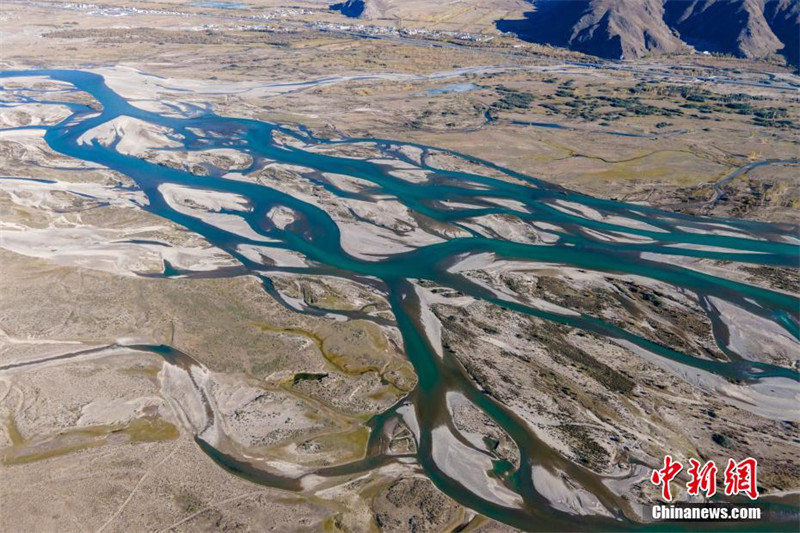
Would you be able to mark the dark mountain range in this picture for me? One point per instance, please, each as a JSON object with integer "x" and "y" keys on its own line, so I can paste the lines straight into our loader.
{"x": 350, "y": 8}
{"x": 634, "y": 28}
{"x": 366, "y": 9}
{"x": 631, "y": 28}
{"x": 606, "y": 28}
{"x": 783, "y": 17}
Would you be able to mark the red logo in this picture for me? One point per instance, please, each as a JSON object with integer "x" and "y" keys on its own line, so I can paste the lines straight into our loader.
{"x": 703, "y": 479}
{"x": 665, "y": 475}
{"x": 738, "y": 477}
{"x": 741, "y": 477}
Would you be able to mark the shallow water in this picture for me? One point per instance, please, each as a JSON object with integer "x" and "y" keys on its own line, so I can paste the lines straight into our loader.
{"x": 220, "y": 5}
{"x": 452, "y": 88}
{"x": 316, "y": 236}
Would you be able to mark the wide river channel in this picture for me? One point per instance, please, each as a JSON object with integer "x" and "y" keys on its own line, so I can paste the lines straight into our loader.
{"x": 617, "y": 238}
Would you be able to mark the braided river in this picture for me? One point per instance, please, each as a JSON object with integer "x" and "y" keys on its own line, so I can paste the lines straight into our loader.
{"x": 592, "y": 234}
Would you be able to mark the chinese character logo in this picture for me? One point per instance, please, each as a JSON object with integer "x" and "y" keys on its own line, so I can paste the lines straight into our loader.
{"x": 703, "y": 479}
{"x": 665, "y": 475}
{"x": 741, "y": 478}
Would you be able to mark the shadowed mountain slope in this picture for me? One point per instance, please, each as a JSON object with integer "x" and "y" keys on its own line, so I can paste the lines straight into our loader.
{"x": 634, "y": 28}
{"x": 625, "y": 29}
{"x": 783, "y": 17}
{"x": 606, "y": 28}
{"x": 359, "y": 8}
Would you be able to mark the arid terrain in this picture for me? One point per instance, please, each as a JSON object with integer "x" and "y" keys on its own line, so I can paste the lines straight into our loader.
{"x": 266, "y": 266}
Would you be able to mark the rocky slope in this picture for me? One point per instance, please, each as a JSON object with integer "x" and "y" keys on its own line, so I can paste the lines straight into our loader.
{"x": 783, "y": 17}
{"x": 358, "y": 8}
{"x": 607, "y": 28}
{"x": 634, "y": 28}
